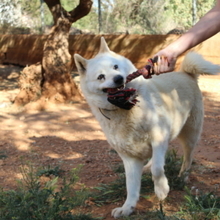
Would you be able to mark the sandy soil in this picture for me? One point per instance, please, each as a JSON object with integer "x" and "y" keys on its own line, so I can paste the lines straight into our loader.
{"x": 68, "y": 135}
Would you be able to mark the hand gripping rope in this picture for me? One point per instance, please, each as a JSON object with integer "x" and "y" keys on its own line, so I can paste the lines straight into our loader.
{"x": 126, "y": 98}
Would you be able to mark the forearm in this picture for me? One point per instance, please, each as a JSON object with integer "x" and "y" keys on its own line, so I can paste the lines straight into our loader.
{"x": 206, "y": 27}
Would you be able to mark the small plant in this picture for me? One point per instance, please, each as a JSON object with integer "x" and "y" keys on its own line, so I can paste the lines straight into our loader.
{"x": 47, "y": 171}
{"x": 43, "y": 201}
{"x": 172, "y": 169}
{"x": 201, "y": 206}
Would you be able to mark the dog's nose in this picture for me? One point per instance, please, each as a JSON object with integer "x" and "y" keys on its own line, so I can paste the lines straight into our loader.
{"x": 118, "y": 80}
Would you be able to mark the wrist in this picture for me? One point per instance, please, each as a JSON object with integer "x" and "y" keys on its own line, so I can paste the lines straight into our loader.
{"x": 175, "y": 49}
{"x": 181, "y": 45}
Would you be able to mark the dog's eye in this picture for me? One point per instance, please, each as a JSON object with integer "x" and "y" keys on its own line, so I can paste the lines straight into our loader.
{"x": 115, "y": 67}
{"x": 101, "y": 76}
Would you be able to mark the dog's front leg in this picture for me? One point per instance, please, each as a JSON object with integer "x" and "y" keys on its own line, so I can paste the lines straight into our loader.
{"x": 161, "y": 186}
{"x": 133, "y": 170}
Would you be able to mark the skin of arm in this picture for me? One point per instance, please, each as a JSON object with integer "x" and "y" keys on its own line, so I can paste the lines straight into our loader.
{"x": 205, "y": 28}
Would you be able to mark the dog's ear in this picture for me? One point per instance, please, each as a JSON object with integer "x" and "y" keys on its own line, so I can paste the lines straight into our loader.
{"x": 81, "y": 63}
{"x": 103, "y": 47}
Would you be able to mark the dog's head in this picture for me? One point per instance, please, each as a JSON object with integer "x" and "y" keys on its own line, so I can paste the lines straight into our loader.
{"x": 103, "y": 74}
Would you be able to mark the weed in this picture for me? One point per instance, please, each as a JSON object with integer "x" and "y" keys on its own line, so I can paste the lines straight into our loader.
{"x": 36, "y": 201}
{"x": 119, "y": 168}
{"x": 110, "y": 193}
{"x": 172, "y": 169}
{"x": 47, "y": 171}
{"x": 201, "y": 206}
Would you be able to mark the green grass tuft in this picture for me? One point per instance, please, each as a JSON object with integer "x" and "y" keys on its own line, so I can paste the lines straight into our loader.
{"x": 172, "y": 168}
{"x": 48, "y": 170}
{"x": 200, "y": 205}
{"x": 43, "y": 201}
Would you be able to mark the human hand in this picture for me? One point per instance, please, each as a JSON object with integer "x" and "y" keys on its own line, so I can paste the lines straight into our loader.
{"x": 166, "y": 62}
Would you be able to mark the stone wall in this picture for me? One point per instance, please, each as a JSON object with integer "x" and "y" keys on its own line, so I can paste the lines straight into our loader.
{"x": 28, "y": 49}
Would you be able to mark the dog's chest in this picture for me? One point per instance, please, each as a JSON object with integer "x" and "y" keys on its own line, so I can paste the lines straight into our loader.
{"x": 126, "y": 135}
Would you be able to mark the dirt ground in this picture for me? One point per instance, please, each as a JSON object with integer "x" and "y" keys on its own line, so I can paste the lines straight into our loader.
{"x": 68, "y": 135}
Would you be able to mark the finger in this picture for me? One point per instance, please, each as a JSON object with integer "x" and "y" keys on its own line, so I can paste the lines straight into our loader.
{"x": 164, "y": 65}
{"x": 157, "y": 66}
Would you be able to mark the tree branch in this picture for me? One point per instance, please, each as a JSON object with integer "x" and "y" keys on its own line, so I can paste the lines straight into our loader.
{"x": 55, "y": 8}
{"x": 81, "y": 10}
{"x": 58, "y": 11}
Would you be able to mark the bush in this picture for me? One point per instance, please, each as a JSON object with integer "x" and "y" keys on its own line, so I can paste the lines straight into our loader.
{"x": 35, "y": 200}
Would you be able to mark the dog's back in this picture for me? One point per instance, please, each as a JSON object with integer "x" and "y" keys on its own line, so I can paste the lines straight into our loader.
{"x": 176, "y": 96}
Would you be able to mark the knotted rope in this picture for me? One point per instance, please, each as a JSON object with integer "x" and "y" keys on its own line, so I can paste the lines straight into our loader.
{"x": 126, "y": 98}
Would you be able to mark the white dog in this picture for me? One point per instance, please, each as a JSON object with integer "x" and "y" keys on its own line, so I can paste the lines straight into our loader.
{"x": 170, "y": 105}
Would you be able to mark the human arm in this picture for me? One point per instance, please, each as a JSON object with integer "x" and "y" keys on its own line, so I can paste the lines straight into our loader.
{"x": 205, "y": 28}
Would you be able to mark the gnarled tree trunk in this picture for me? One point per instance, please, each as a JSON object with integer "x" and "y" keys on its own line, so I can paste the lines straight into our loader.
{"x": 52, "y": 77}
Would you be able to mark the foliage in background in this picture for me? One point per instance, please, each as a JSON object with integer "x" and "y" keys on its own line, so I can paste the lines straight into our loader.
{"x": 88, "y": 23}
{"x": 137, "y": 17}
{"x": 118, "y": 16}
{"x": 10, "y": 12}
{"x": 31, "y": 11}
{"x": 180, "y": 11}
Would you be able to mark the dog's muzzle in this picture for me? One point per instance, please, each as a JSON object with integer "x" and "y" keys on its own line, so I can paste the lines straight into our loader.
{"x": 124, "y": 98}
{"x": 120, "y": 96}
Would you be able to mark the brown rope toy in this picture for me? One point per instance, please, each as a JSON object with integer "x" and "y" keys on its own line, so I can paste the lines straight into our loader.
{"x": 126, "y": 98}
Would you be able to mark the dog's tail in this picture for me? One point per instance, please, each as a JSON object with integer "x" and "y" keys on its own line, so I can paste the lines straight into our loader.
{"x": 195, "y": 65}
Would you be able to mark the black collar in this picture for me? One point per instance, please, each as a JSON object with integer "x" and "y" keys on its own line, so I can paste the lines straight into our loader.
{"x": 100, "y": 109}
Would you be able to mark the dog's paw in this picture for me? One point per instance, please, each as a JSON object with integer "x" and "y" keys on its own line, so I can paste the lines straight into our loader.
{"x": 161, "y": 192}
{"x": 122, "y": 211}
{"x": 161, "y": 188}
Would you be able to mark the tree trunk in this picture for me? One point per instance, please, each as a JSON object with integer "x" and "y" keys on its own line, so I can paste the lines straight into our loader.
{"x": 30, "y": 84}
{"x": 58, "y": 84}
{"x": 52, "y": 80}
